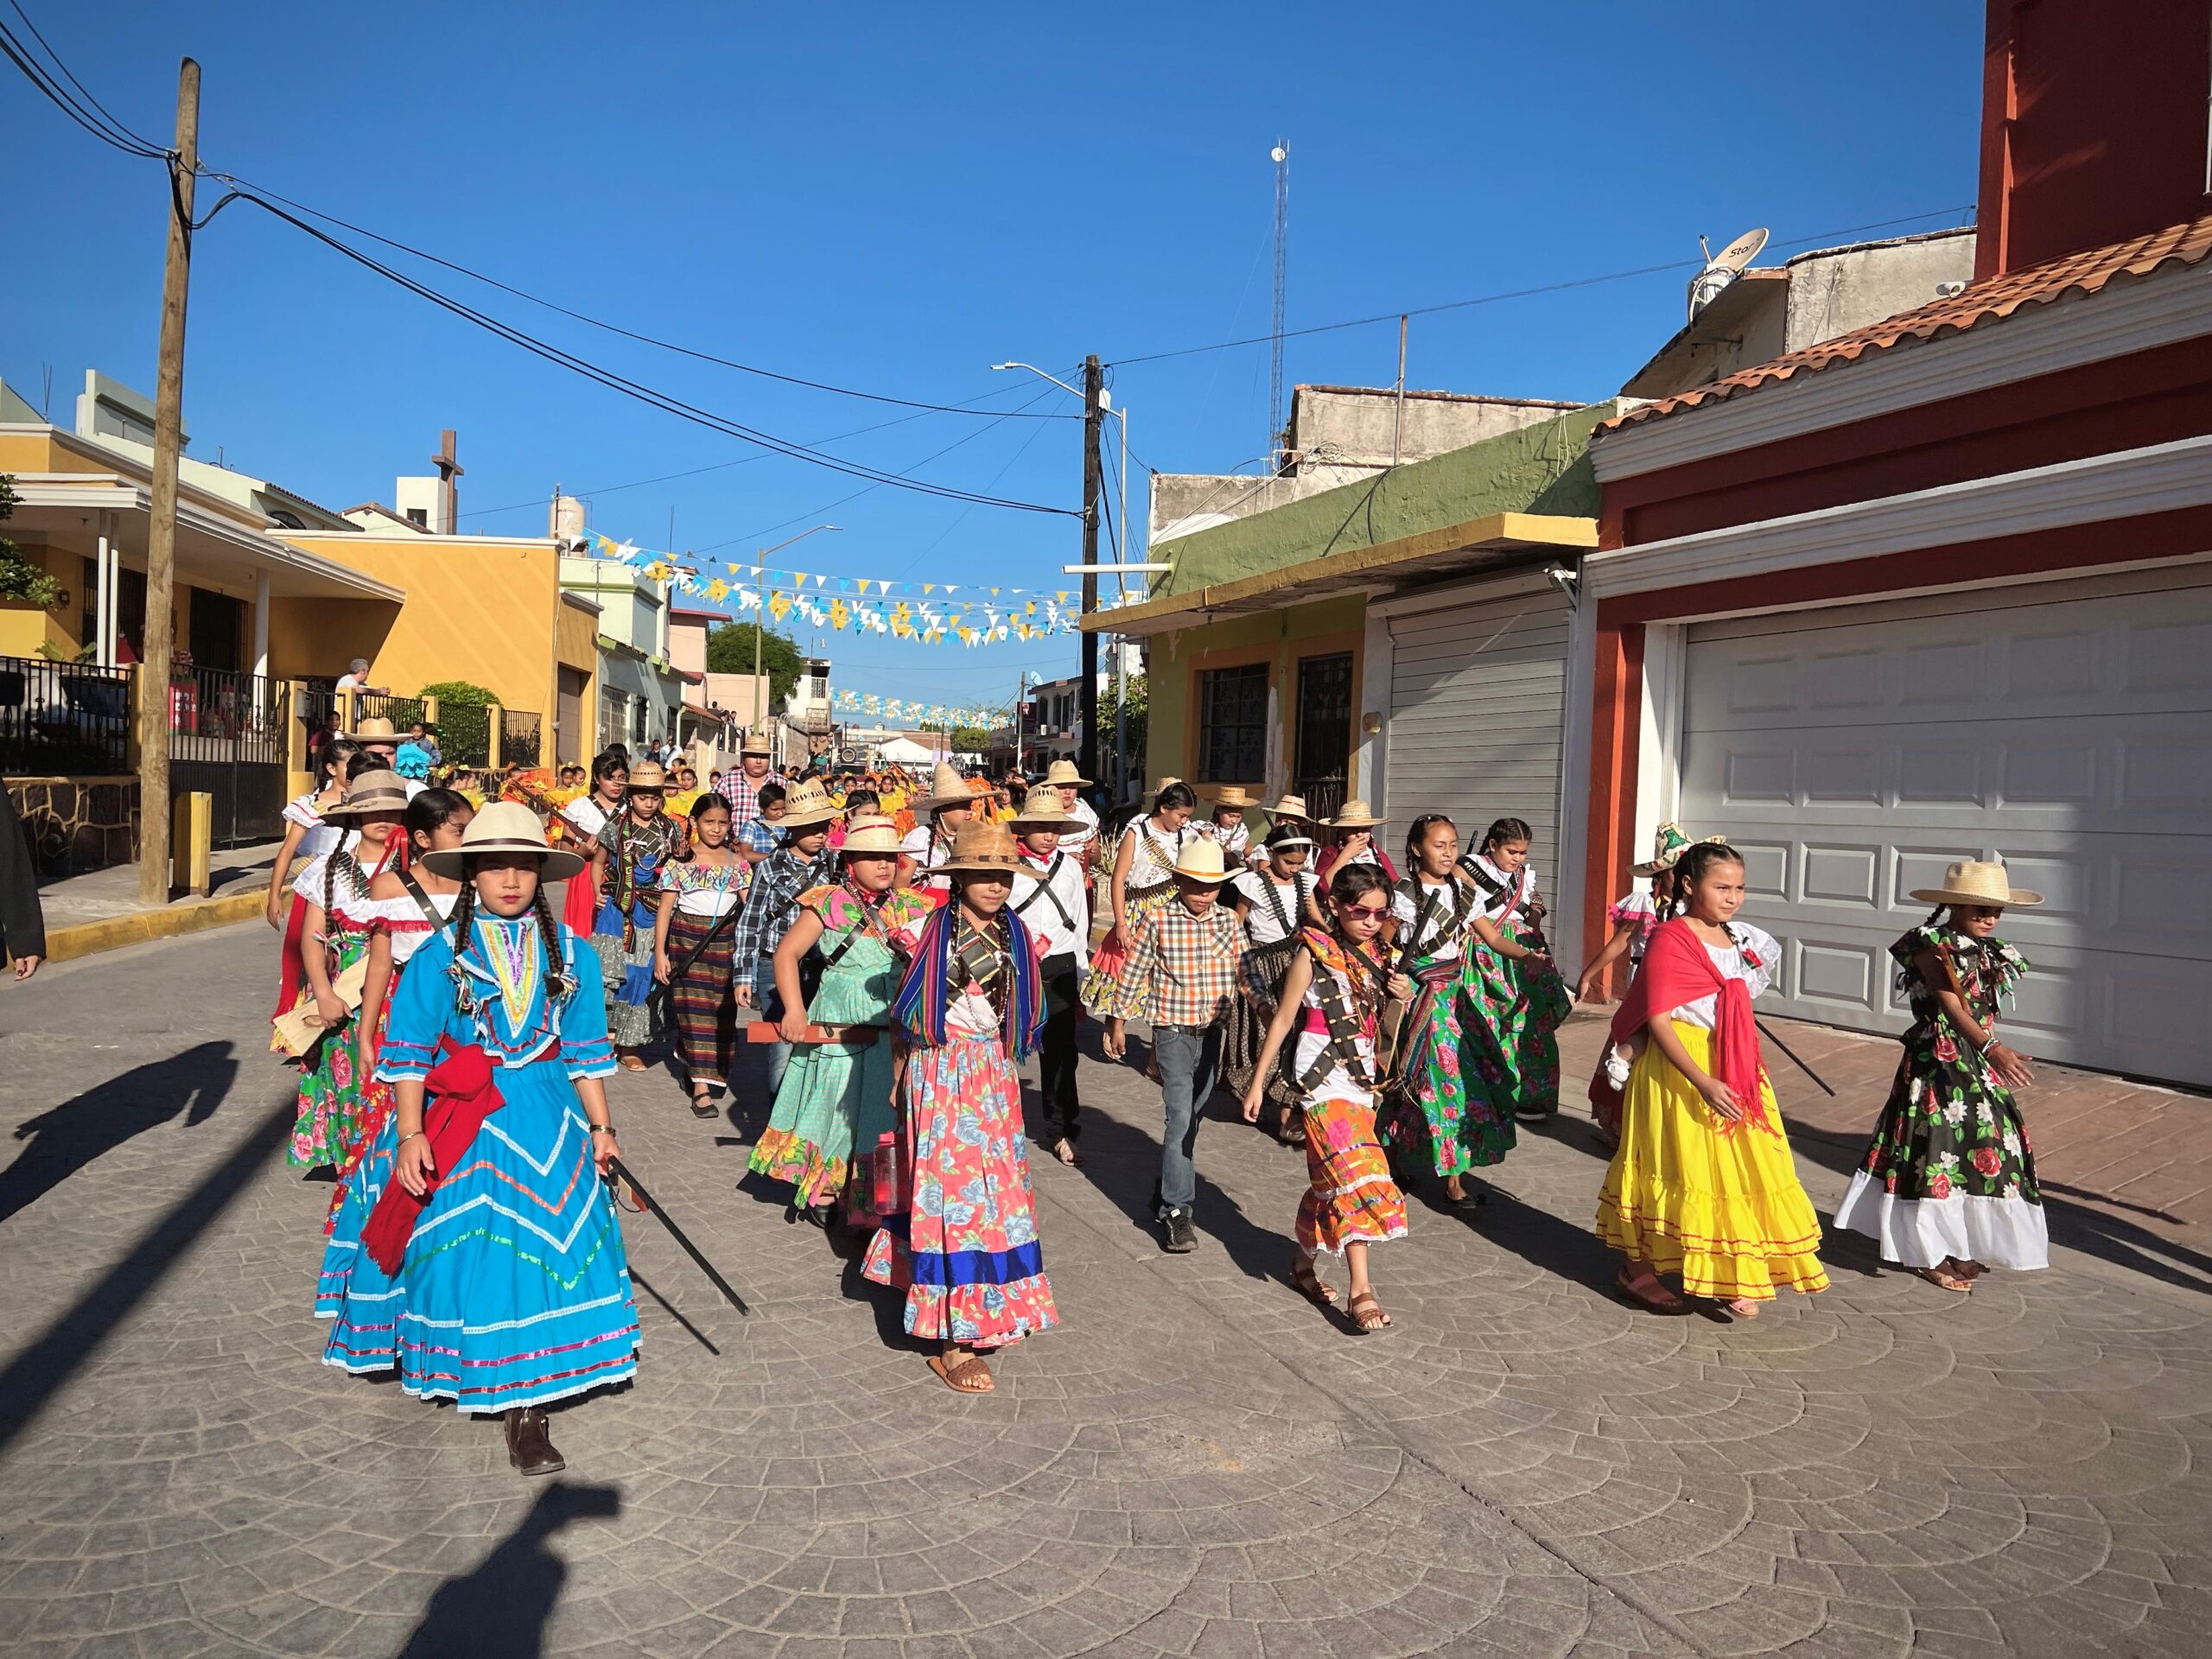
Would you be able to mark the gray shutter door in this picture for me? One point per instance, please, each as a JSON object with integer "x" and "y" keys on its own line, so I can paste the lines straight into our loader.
{"x": 1853, "y": 754}
{"x": 1477, "y": 692}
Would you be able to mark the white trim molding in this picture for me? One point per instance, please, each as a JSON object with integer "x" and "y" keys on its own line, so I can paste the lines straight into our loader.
{"x": 2129, "y": 316}
{"x": 2095, "y": 489}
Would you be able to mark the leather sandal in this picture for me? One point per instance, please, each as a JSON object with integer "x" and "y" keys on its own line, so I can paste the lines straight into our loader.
{"x": 1367, "y": 1315}
{"x": 529, "y": 1443}
{"x": 1943, "y": 1278}
{"x": 969, "y": 1375}
{"x": 1658, "y": 1299}
{"x": 1308, "y": 1283}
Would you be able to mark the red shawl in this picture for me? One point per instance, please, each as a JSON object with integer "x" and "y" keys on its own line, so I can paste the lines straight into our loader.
{"x": 1678, "y": 970}
{"x": 462, "y": 1095}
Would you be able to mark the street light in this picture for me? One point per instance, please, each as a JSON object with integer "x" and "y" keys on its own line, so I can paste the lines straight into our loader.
{"x": 760, "y": 623}
{"x": 1120, "y": 575}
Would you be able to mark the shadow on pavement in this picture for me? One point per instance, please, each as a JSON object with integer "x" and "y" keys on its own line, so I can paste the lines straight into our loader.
{"x": 80, "y": 1131}
{"x": 38, "y": 1373}
{"x": 499, "y": 1611}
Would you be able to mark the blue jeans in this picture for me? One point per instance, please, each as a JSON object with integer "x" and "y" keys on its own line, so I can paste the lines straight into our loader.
{"x": 764, "y": 996}
{"x": 1190, "y": 1060}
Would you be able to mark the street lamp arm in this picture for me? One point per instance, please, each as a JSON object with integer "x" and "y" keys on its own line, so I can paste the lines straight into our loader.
{"x": 1041, "y": 375}
{"x": 801, "y": 537}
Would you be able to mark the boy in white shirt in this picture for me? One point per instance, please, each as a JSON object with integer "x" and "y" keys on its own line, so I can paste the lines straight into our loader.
{"x": 1052, "y": 897}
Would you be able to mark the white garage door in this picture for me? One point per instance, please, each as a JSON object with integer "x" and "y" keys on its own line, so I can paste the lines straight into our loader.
{"x": 1852, "y": 754}
{"x": 1477, "y": 688}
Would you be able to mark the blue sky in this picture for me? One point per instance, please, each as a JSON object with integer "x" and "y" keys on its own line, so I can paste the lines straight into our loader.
{"x": 894, "y": 199}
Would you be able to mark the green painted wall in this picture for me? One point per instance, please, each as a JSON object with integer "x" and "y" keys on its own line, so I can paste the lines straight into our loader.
{"x": 1543, "y": 468}
{"x": 1169, "y": 681}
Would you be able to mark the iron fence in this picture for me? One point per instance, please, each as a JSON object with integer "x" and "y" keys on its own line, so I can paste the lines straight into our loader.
{"x": 519, "y": 743}
{"x": 401, "y": 712}
{"x": 227, "y": 734}
{"x": 58, "y": 718}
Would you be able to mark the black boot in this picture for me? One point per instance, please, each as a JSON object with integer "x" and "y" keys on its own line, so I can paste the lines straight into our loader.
{"x": 529, "y": 1443}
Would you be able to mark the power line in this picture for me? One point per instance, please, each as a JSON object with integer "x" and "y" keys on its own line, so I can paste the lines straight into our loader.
{"x": 666, "y": 401}
{"x": 235, "y": 182}
{"x": 1521, "y": 293}
{"x": 102, "y": 126}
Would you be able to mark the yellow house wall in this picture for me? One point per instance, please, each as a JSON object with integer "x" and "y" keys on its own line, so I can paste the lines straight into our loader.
{"x": 1278, "y": 638}
{"x": 476, "y": 609}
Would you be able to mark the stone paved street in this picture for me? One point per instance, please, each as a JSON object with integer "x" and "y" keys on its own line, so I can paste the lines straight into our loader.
{"x": 1198, "y": 1463}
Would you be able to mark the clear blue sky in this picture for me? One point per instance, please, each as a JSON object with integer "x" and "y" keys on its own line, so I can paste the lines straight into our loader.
{"x": 895, "y": 198}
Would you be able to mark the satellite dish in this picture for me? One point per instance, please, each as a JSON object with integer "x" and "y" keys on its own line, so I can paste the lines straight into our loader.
{"x": 1723, "y": 268}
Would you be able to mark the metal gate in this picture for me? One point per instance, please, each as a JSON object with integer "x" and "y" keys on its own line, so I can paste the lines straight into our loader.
{"x": 227, "y": 739}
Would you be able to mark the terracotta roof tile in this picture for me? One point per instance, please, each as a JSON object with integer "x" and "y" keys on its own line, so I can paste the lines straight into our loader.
{"x": 1983, "y": 302}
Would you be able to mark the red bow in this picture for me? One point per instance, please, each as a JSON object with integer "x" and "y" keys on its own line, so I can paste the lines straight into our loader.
{"x": 462, "y": 1095}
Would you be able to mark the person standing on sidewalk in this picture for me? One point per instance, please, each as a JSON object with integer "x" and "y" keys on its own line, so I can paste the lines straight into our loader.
{"x": 1052, "y": 897}
{"x": 22, "y": 923}
{"x": 1947, "y": 1186}
{"x": 1182, "y": 972}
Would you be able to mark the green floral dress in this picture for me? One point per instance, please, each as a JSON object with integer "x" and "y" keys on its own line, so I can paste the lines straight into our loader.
{"x": 332, "y": 1111}
{"x": 1950, "y": 1172}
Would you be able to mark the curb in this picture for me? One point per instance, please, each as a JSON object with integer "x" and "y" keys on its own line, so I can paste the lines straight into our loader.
{"x": 113, "y": 932}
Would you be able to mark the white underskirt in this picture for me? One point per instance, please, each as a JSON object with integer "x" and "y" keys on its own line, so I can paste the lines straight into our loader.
{"x": 1921, "y": 1233}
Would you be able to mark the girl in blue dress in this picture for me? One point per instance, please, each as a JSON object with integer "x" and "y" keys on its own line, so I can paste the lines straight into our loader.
{"x": 478, "y": 1250}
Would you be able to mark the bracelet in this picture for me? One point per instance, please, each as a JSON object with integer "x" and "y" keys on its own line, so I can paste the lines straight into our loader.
{"x": 412, "y": 1134}
{"x": 602, "y": 1129}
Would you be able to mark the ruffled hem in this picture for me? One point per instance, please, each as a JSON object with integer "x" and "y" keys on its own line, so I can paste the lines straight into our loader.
{"x": 2010, "y": 1233}
{"x": 1725, "y": 1269}
{"x": 784, "y": 1155}
{"x": 1318, "y": 1246}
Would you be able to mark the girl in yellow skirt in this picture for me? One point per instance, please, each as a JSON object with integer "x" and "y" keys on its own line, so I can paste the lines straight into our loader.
{"x": 1701, "y": 1183}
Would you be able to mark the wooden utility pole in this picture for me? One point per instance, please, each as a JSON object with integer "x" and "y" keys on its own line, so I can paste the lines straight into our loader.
{"x": 1094, "y": 418}
{"x": 161, "y": 536}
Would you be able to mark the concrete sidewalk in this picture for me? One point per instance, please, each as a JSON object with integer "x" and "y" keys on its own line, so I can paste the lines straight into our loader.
{"x": 99, "y": 911}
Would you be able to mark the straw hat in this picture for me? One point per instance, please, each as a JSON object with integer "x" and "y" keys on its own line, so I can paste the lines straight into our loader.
{"x": 755, "y": 743}
{"x": 1064, "y": 771}
{"x": 1233, "y": 795}
{"x": 870, "y": 834}
{"x": 1668, "y": 846}
{"x": 375, "y": 729}
{"x": 981, "y": 848}
{"x": 1201, "y": 861}
{"x": 1976, "y": 881}
{"x": 645, "y": 775}
{"x": 947, "y": 788}
{"x": 503, "y": 827}
{"x": 1165, "y": 783}
{"x": 1291, "y": 806}
{"x": 372, "y": 792}
{"x": 1355, "y": 815}
{"x": 808, "y": 802}
{"x": 1041, "y": 809}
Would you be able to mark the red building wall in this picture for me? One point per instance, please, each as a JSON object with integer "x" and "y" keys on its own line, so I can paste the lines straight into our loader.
{"x": 2092, "y": 124}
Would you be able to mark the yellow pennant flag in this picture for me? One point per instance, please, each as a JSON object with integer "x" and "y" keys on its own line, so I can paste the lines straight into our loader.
{"x": 718, "y": 589}
{"x": 1030, "y": 609}
{"x": 779, "y": 606}
{"x": 839, "y": 614}
{"x": 929, "y": 587}
{"x": 863, "y": 581}
{"x": 798, "y": 578}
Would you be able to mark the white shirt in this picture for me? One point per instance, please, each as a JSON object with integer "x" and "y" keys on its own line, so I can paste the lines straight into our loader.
{"x": 922, "y": 846}
{"x": 1440, "y": 939}
{"x": 350, "y": 682}
{"x": 1076, "y": 843}
{"x": 1034, "y": 891}
{"x": 1144, "y": 868}
{"x": 1235, "y": 841}
{"x": 587, "y": 815}
{"x": 1517, "y": 890}
{"x": 1735, "y": 962}
{"x": 319, "y": 838}
{"x": 1260, "y": 926}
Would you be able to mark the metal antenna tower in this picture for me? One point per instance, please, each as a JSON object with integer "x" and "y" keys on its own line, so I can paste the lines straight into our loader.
{"x": 1276, "y": 420}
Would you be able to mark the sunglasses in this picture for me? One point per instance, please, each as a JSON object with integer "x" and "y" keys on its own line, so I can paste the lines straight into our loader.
{"x": 1376, "y": 911}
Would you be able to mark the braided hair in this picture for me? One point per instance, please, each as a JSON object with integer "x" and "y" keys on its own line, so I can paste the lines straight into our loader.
{"x": 1690, "y": 869}
{"x": 1418, "y": 830}
{"x": 1505, "y": 830}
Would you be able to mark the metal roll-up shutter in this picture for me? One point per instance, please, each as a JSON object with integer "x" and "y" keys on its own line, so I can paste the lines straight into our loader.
{"x": 1478, "y": 689}
{"x": 1853, "y": 754}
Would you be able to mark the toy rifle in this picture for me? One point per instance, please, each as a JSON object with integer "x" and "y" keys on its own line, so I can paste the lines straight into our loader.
{"x": 765, "y": 1030}
{"x": 1766, "y": 1032}
{"x": 622, "y": 1170}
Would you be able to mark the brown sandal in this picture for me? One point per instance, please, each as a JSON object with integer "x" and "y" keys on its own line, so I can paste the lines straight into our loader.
{"x": 1658, "y": 1299}
{"x": 1308, "y": 1283}
{"x": 1367, "y": 1315}
{"x": 1944, "y": 1278}
{"x": 964, "y": 1377}
{"x": 629, "y": 1063}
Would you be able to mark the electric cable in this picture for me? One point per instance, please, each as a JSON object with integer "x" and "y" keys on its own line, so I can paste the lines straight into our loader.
{"x": 114, "y": 134}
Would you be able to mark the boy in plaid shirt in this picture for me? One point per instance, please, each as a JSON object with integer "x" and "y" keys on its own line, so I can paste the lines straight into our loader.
{"x": 1182, "y": 974}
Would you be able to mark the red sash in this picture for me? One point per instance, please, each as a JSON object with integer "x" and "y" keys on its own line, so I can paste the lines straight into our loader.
{"x": 462, "y": 1095}
{"x": 1678, "y": 970}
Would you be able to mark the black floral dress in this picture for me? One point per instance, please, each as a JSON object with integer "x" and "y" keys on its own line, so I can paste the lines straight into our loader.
{"x": 1950, "y": 1172}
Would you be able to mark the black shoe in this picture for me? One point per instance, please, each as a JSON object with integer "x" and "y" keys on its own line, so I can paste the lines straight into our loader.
{"x": 1181, "y": 1238}
{"x": 529, "y": 1443}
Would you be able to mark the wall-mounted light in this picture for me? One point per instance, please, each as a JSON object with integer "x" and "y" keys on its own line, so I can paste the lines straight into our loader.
{"x": 1371, "y": 724}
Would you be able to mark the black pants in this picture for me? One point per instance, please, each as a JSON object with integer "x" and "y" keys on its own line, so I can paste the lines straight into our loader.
{"x": 1056, "y": 1052}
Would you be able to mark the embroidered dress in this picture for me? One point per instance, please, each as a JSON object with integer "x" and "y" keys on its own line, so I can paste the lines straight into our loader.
{"x": 515, "y": 1288}
{"x": 961, "y": 1239}
{"x": 1514, "y": 1009}
{"x": 402, "y": 922}
{"x": 637, "y": 855}
{"x": 701, "y": 952}
{"x": 836, "y": 1097}
{"x": 317, "y": 840}
{"x": 1950, "y": 1172}
{"x": 1641, "y": 911}
{"x": 1349, "y": 1196}
{"x": 1687, "y": 1191}
{"x": 1453, "y": 1126}
{"x": 332, "y": 1111}
{"x": 1149, "y": 886}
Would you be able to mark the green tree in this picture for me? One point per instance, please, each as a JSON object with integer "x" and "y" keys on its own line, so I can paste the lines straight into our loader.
{"x": 729, "y": 650}
{"x": 1133, "y": 723}
{"x": 970, "y": 739}
{"x": 19, "y": 577}
{"x": 464, "y": 724}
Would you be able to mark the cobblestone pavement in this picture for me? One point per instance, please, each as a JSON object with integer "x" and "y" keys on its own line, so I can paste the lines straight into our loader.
{"x": 1198, "y": 1463}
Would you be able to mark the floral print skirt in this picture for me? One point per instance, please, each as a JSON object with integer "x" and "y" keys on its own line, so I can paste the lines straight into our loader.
{"x": 626, "y": 963}
{"x": 965, "y": 1248}
{"x": 1351, "y": 1198}
{"x": 1434, "y": 1115}
{"x": 1950, "y": 1172}
{"x": 333, "y": 1113}
{"x": 1512, "y": 1014}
